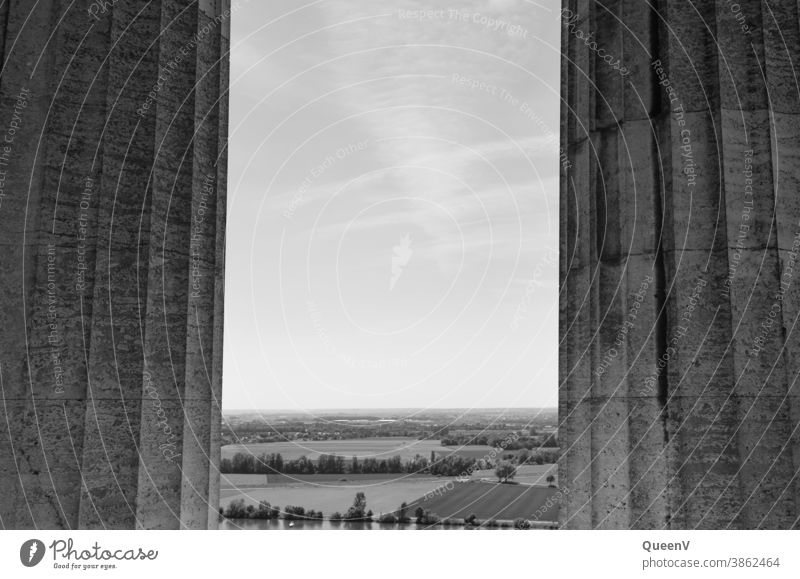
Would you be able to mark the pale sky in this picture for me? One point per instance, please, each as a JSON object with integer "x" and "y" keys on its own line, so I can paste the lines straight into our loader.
{"x": 393, "y": 205}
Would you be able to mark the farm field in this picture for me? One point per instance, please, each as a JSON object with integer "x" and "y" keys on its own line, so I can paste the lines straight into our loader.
{"x": 244, "y": 481}
{"x": 385, "y": 492}
{"x": 327, "y": 493}
{"x": 488, "y": 500}
{"x": 531, "y": 474}
{"x": 379, "y": 448}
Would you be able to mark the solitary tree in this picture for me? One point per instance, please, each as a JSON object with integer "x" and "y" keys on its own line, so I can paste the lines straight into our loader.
{"x": 504, "y": 471}
{"x": 358, "y": 511}
{"x": 360, "y": 501}
{"x": 550, "y": 480}
{"x": 402, "y": 515}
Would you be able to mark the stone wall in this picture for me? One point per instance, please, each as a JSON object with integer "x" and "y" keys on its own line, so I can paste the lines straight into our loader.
{"x": 680, "y": 289}
{"x": 112, "y": 219}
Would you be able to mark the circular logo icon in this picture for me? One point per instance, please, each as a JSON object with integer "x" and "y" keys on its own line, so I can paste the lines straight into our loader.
{"x": 32, "y": 552}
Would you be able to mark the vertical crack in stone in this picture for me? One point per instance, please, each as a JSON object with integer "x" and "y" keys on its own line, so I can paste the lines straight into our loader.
{"x": 659, "y": 266}
{"x": 662, "y": 386}
{"x": 4, "y": 8}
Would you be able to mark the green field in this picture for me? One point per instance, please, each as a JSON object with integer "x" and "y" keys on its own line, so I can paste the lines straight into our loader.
{"x": 531, "y": 474}
{"x": 379, "y": 448}
{"x": 490, "y": 500}
{"x": 245, "y": 481}
{"x": 327, "y": 493}
{"x": 385, "y": 492}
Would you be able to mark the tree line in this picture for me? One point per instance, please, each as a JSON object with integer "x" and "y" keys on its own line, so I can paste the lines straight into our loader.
{"x": 357, "y": 513}
{"x": 517, "y": 443}
{"x": 274, "y": 463}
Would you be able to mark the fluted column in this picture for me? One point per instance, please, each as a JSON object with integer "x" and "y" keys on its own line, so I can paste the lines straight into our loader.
{"x": 111, "y": 262}
{"x": 679, "y": 231}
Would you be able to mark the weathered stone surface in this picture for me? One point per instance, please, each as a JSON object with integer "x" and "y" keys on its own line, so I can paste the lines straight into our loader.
{"x": 112, "y": 229}
{"x": 677, "y": 396}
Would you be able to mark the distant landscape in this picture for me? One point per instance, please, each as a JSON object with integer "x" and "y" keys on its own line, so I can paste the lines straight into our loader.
{"x": 390, "y": 469}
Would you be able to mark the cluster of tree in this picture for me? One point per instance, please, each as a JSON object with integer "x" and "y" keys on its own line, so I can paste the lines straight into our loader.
{"x": 539, "y": 456}
{"x": 400, "y": 517}
{"x": 292, "y": 513}
{"x": 238, "y": 510}
{"x": 505, "y": 471}
{"x": 424, "y": 517}
{"x": 492, "y": 524}
{"x": 357, "y": 513}
{"x": 547, "y": 456}
{"x": 243, "y": 463}
{"x": 260, "y": 431}
{"x": 452, "y": 465}
{"x": 473, "y": 521}
{"x": 494, "y": 440}
{"x": 550, "y": 442}
{"x": 371, "y": 465}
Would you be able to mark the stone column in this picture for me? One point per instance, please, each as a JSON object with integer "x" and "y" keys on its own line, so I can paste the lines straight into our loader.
{"x": 680, "y": 295}
{"x": 112, "y": 222}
